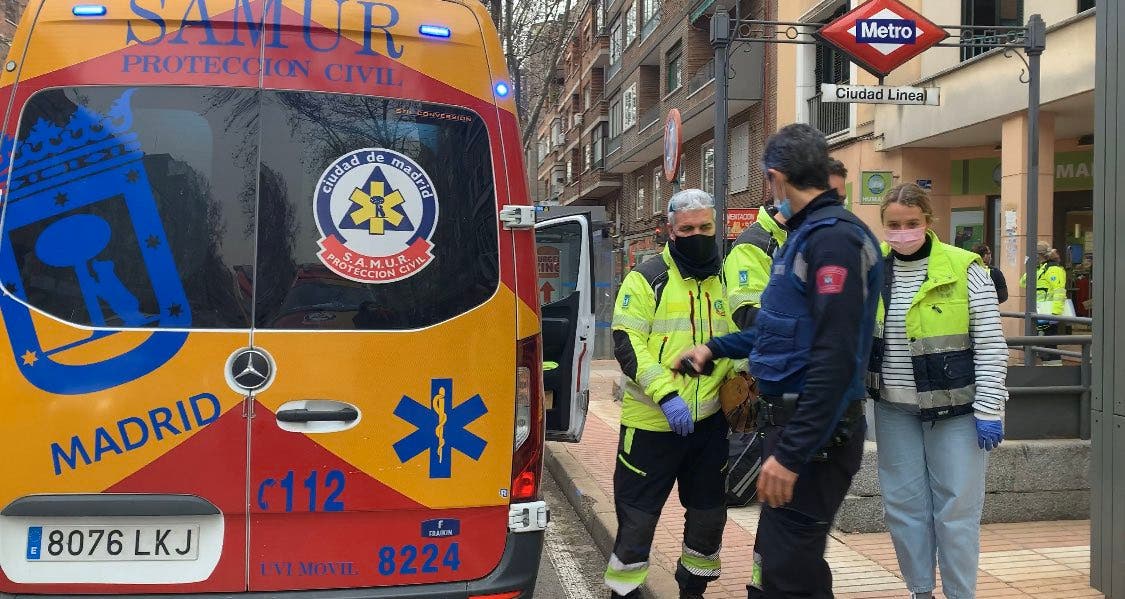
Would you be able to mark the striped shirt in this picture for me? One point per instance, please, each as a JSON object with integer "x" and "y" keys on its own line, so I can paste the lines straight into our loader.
{"x": 990, "y": 351}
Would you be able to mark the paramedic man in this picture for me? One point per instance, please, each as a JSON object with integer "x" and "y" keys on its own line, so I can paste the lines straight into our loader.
{"x": 672, "y": 429}
{"x": 808, "y": 349}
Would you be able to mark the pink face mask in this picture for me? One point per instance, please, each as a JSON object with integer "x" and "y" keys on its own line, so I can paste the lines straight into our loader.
{"x": 906, "y": 241}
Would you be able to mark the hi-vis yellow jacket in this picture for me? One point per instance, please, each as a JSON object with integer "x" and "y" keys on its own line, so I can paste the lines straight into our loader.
{"x": 1050, "y": 287}
{"x": 747, "y": 267}
{"x": 658, "y": 316}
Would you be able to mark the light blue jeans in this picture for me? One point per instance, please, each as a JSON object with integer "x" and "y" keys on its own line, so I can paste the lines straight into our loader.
{"x": 932, "y": 479}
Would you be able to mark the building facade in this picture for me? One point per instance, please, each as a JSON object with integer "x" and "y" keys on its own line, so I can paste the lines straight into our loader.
{"x": 629, "y": 63}
{"x": 13, "y": 10}
{"x": 971, "y": 151}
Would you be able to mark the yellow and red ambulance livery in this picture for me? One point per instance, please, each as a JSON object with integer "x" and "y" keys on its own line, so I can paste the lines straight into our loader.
{"x": 271, "y": 315}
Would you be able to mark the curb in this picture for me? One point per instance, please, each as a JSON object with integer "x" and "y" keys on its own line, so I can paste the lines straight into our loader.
{"x": 597, "y": 513}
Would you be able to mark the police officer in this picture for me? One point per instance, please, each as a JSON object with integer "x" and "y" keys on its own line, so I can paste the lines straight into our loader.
{"x": 672, "y": 429}
{"x": 808, "y": 349}
{"x": 747, "y": 267}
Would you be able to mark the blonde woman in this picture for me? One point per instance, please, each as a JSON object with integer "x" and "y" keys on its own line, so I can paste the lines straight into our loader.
{"x": 937, "y": 373}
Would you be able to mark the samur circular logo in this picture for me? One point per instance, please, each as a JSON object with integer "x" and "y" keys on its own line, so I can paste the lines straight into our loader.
{"x": 376, "y": 211}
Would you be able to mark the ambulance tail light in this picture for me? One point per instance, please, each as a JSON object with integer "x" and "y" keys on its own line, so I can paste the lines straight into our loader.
{"x": 527, "y": 456}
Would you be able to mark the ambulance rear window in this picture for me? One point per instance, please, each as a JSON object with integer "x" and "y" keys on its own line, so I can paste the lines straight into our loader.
{"x": 217, "y": 208}
{"x": 374, "y": 213}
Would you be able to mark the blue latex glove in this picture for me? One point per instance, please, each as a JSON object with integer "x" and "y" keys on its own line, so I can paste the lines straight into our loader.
{"x": 989, "y": 433}
{"x": 678, "y": 415}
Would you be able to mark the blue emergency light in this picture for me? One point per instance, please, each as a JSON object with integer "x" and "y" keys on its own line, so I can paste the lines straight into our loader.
{"x": 435, "y": 31}
{"x": 502, "y": 89}
{"x": 88, "y": 10}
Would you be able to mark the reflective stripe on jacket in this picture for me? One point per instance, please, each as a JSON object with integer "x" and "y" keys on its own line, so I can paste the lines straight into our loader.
{"x": 658, "y": 316}
{"x": 937, "y": 327}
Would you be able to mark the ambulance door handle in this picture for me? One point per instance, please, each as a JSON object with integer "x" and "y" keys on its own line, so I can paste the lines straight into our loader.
{"x": 348, "y": 414}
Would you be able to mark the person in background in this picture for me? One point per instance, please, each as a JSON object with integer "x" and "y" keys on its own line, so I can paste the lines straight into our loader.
{"x": 747, "y": 267}
{"x": 838, "y": 178}
{"x": 937, "y": 374}
{"x": 997, "y": 275}
{"x": 1050, "y": 296}
{"x": 672, "y": 428}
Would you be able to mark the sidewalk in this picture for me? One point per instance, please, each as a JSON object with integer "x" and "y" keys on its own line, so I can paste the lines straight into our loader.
{"x": 1035, "y": 559}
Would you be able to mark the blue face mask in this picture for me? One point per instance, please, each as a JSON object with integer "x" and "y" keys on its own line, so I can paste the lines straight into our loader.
{"x": 784, "y": 208}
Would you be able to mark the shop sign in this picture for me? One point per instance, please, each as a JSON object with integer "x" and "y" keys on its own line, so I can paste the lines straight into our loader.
{"x": 873, "y": 185}
{"x": 739, "y": 219}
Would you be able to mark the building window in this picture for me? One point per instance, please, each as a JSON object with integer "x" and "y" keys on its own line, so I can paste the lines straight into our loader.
{"x": 544, "y": 149}
{"x": 675, "y": 67}
{"x": 599, "y": 145}
{"x": 589, "y": 156}
{"x": 630, "y": 24}
{"x": 988, "y": 13}
{"x": 570, "y": 170}
{"x": 587, "y": 98}
{"x": 557, "y": 133}
{"x": 599, "y": 18}
{"x": 650, "y": 8}
{"x": 707, "y": 168}
{"x": 629, "y": 99}
{"x": 1084, "y": 5}
{"x": 615, "y": 44}
{"x": 657, "y": 197}
{"x": 740, "y": 158}
{"x": 640, "y": 197}
{"x": 831, "y": 66}
{"x": 682, "y": 175}
{"x": 615, "y": 119}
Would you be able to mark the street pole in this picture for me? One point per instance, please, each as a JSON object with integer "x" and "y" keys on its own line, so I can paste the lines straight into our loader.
{"x": 1036, "y": 42}
{"x": 720, "y": 41}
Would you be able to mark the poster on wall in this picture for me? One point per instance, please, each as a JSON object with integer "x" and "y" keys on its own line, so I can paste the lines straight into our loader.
{"x": 967, "y": 227}
{"x": 874, "y": 185}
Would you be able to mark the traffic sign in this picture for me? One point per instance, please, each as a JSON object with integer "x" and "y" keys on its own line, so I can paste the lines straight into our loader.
{"x": 882, "y": 35}
{"x": 673, "y": 143}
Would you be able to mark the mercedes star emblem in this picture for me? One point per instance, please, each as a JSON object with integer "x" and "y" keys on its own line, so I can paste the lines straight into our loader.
{"x": 250, "y": 369}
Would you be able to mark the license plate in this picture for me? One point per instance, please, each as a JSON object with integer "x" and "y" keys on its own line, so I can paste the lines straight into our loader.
{"x": 112, "y": 543}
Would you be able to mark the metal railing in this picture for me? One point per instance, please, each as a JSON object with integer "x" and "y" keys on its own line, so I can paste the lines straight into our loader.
{"x": 702, "y": 77}
{"x": 830, "y": 117}
{"x": 1036, "y": 344}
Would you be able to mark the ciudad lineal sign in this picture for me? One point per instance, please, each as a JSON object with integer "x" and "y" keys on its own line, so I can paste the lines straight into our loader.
{"x": 880, "y": 94}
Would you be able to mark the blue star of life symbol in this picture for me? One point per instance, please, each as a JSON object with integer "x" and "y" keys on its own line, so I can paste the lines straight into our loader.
{"x": 441, "y": 428}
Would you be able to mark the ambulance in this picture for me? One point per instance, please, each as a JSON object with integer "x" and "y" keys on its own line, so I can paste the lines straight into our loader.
{"x": 272, "y": 316}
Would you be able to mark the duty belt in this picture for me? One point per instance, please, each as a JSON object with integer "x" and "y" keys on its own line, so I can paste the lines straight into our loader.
{"x": 778, "y": 411}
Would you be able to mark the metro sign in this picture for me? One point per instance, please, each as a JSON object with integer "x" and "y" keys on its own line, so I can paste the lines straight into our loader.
{"x": 882, "y": 35}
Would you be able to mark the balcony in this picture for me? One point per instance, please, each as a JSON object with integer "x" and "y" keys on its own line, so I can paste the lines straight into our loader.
{"x": 832, "y": 118}
{"x": 648, "y": 117}
{"x": 613, "y": 146}
{"x": 702, "y": 78}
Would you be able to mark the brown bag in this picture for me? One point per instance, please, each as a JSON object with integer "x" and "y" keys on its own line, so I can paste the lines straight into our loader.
{"x": 738, "y": 396}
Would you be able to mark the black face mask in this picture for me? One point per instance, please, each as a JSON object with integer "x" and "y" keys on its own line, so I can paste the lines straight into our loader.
{"x": 697, "y": 256}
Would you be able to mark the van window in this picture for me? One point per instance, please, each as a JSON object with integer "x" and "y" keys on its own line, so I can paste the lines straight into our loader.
{"x": 134, "y": 207}
{"x": 374, "y": 213}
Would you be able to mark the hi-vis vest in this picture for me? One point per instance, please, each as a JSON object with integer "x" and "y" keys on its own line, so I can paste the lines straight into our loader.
{"x": 747, "y": 267}
{"x": 660, "y": 315}
{"x": 937, "y": 328}
{"x": 1050, "y": 288}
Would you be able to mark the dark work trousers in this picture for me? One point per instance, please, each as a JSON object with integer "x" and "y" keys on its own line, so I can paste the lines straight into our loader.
{"x": 789, "y": 546}
{"x": 648, "y": 464}
{"x": 1049, "y": 328}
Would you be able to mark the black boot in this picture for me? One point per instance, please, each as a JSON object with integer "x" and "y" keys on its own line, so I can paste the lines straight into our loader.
{"x": 633, "y": 594}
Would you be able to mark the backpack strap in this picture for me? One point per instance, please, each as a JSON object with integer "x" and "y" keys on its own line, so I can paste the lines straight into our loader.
{"x": 758, "y": 236}
{"x": 655, "y": 272}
